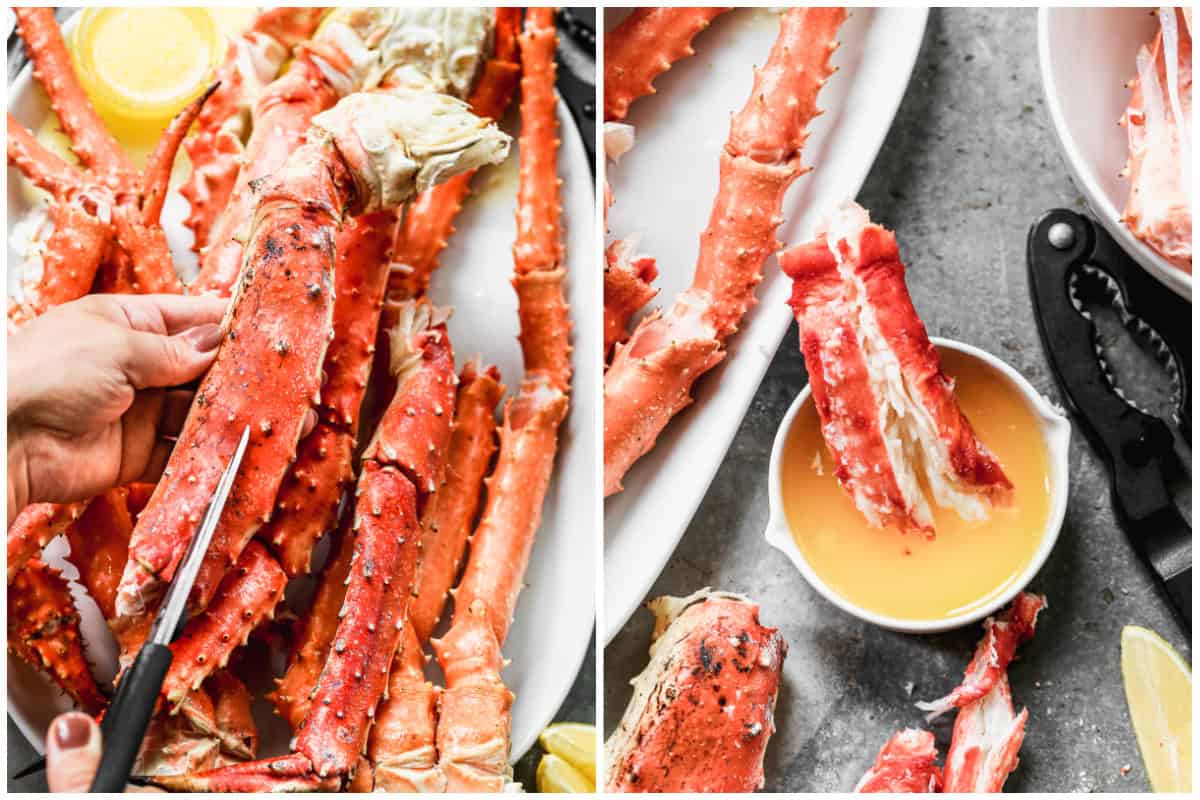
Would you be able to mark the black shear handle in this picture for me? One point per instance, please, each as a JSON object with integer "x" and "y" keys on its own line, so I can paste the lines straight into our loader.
{"x": 1139, "y": 448}
{"x": 125, "y": 722}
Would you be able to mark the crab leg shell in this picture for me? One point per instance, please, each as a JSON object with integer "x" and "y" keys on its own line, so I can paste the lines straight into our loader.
{"x": 402, "y": 746}
{"x": 334, "y": 733}
{"x": 71, "y": 257}
{"x": 473, "y": 727}
{"x": 851, "y": 415}
{"x": 907, "y": 763}
{"x": 99, "y": 542}
{"x": 246, "y": 598}
{"x": 702, "y": 711}
{"x": 306, "y": 507}
{"x": 216, "y": 151}
{"x": 267, "y": 375}
{"x": 281, "y": 118}
{"x": 627, "y": 290}
{"x": 447, "y": 521}
{"x": 644, "y": 46}
{"x": 231, "y": 708}
{"x": 52, "y": 68}
{"x": 307, "y": 504}
{"x": 43, "y": 631}
{"x": 35, "y": 526}
{"x": 289, "y": 773}
{"x": 529, "y": 436}
{"x": 43, "y": 168}
{"x": 429, "y": 219}
{"x": 761, "y": 158}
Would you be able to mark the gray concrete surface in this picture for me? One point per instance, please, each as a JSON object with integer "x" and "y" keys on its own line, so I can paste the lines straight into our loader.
{"x": 969, "y": 164}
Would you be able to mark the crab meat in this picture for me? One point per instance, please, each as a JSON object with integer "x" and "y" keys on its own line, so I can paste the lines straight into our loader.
{"x": 907, "y": 763}
{"x": 888, "y": 413}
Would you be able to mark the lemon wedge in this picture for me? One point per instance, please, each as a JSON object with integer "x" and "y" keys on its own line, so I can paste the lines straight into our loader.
{"x": 575, "y": 743}
{"x": 1158, "y": 688}
{"x": 556, "y": 775}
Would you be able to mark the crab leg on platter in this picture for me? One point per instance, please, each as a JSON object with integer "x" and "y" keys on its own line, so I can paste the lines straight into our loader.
{"x": 627, "y": 289}
{"x": 402, "y": 465}
{"x": 1159, "y": 126}
{"x": 907, "y": 763}
{"x": 703, "y": 709}
{"x": 644, "y": 46}
{"x": 651, "y": 376}
{"x": 267, "y": 372}
{"x": 356, "y": 49}
{"x": 218, "y": 148}
{"x": 473, "y": 726}
{"x": 104, "y": 217}
{"x": 888, "y": 412}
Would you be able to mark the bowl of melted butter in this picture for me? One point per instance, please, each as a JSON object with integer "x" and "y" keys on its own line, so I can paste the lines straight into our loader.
{"x": 968, "y": 569}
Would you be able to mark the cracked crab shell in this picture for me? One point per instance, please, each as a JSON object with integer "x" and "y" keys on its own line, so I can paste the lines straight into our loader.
{"x": 703, "y": 709}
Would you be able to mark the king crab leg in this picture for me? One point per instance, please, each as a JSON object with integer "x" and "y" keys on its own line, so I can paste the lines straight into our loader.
{"x": 402, "y": 466}
{"x": 651, "y": 376}
{"x": 284, "y": 310}
{"x": 473, "y": 728}
{"x": 217, "y": 149}
{"x": 907, "y": 763}
{"x": 703, "y": 709}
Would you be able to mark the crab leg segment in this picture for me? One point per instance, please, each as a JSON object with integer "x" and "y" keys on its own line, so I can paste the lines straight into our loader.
{"x": 650, "y": 378}
{"x": 43, "y": 631}
{"x": 282, "y": 115}
{"x": 306, "y": 507}
{"x": 217, "y": 150}
{"x": 99, "y": 542}
{"x": 52, "y": 68}
{"x": 529, "y": 437}
{"x": 34, "y": 527}
{"x": 402, "y": 744}
{"x": 878, "y": 383}
{"x": 474, "y": 722}
{"x": 1159, "y": 126}
{"x": 644, "y": 46}
{"x": 446, "y": 524}
{"x": 627, "y": 289}
{"x": 703, "y": 709}
{"x": 396, "y": 477}
{"x": 907, "y": 763}
{"x": 429, "y": 219}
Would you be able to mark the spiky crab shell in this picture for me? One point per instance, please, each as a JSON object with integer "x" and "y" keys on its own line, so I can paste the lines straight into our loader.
{"x": 702, "y": 711}
{"x": 447, "y": 521}
{"x": 473, "y": 729}
{"x": 402, "y": 747}
{"x": 34, "y": 527}
{"x": 380, "y": 583}
{"x": 267, "y": 376}
{"x": 43, "y": 631}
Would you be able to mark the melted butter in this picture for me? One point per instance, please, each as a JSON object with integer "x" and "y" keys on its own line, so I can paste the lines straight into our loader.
{"x": 908, "y": 577}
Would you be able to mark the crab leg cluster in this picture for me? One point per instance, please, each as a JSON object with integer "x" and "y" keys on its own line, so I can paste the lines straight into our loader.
{"x": 651, "y": 376}
{"x": 317, "y": 219}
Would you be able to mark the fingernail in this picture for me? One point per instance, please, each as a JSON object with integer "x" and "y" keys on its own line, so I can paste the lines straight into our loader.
{"x": 204, "y": 337}
{"x": 73, "y": 731}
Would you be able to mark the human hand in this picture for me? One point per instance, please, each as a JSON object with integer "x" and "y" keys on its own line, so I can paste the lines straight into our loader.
{"x": 88, "y": 396}
{"x": 73, "y": 746}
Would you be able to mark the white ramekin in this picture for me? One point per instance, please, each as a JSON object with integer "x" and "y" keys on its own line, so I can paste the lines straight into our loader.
{"x": 1055, "y": 429}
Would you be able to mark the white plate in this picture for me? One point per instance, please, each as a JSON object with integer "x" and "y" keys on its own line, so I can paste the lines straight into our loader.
{"x": 664, "y": 189}
{"x": 1086, "y": 56}
{"x": 556, "y": 613}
